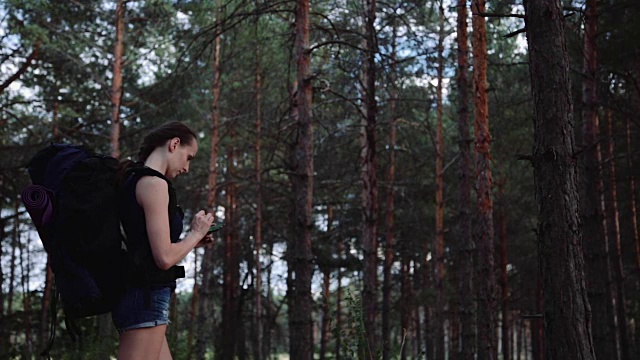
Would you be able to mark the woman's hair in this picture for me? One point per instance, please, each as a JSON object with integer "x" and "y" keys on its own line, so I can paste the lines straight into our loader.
{"x": 163, "y": 133}
{"x": 158, "y": 137}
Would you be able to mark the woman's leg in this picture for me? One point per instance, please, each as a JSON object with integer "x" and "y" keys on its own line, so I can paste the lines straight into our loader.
{"x": 165, "y": 353}
{"x": 145, "y": 343}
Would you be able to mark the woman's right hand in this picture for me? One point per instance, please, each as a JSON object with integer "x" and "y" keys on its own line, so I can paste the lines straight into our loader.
{"x": 201, "y": 223}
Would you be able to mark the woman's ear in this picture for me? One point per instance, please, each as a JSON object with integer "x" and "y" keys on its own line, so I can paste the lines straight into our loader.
{"x": 174, "y": 143}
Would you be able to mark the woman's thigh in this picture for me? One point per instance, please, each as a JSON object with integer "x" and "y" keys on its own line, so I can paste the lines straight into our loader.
{"x": 144, "y": 343}
{"x": 165, "y": 353}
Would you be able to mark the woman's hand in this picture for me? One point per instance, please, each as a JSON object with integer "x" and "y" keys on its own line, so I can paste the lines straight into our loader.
{"x": 201, "y": 223}
{"x": 207, "y": 240}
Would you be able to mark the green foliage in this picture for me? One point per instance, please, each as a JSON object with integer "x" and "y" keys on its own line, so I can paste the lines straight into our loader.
{"x": 354, "y": 332}
{"x": 65, "y": 96}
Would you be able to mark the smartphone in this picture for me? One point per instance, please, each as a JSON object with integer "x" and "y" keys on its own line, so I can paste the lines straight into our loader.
{"x": 215, "y": 227}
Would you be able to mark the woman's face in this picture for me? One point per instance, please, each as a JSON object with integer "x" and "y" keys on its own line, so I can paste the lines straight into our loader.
{"x": 180, "y": 155}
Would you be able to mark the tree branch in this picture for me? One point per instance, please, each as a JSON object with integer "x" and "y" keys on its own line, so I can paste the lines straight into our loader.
{"x": 23, "y": 68}
{"x": 515, "y": 33}
{"x": 519, "y": 16}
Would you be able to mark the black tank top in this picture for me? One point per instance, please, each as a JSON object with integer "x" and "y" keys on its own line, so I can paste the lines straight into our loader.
{"x": 142, "y": 267}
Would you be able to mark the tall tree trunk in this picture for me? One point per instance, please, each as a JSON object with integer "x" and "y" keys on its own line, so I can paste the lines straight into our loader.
{"x": 228, "y": 342}
{"x": 634, "y": 222}
{"x": 610, "y": 317}
{"x": 368, "y": 177}
{"x": 454, "y": 317}
{"x": 301, "y": 178}
{"x": 339, "y": 305}
{"x": 204, "y": 322}
{"x": 257, "y": 88}
{"x": 567, "y": 315}
{"x": 325, "y": 318}
{"x": 634, "y": 210}
{"x": 193, "y": 310}
{"x": 423, "y": 280}
{"x": 405, "y": 303}
{"x": 215, "y": 115}
{"x": 519, "y": 339}
{"x": 116, "y": 85}
{"x": 46, "y": 305}
{"x": 268, "y": 328}
{"x": 13, "y": 265}
{"x": 487, "y": 347}
{"x": 536, "y": 326}
{"x": 324, "y": 330}
{"x": 3, "y": 338}
{"x": 439, "y": 273}
{"x": 26, "y": 301}
{"x": 626, "y": 345}
{"x": 590, "y": 214}
{"x": 422, "y": 343}
{"x": 326, "y": 293}
{"x": 389, "y": 216}
{"x": 504, "y": 276}
{"x": 466, "y": 246}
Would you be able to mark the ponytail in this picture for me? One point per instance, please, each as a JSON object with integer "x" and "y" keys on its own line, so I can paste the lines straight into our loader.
{"x": 154, "y": 139}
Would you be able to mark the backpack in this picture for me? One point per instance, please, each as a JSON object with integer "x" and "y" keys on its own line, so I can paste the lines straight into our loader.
{"x": 79, "y": 226}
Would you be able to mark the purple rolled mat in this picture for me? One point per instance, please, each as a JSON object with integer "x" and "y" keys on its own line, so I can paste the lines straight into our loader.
{"x": 38, "y": 200}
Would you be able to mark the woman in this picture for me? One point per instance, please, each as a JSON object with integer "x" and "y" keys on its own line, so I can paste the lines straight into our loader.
{"x": 152, "y": 239}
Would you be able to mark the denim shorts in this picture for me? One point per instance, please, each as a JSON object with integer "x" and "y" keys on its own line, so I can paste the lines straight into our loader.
{"x": 142, "y": 308}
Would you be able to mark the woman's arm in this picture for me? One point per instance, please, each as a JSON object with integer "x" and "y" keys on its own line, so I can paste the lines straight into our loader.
{"x": 152, "y": 194}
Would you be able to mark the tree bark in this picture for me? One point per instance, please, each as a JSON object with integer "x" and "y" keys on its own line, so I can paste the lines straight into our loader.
{"x": 228, "y": 342}
{"x": 205, "y": 305}
{"x": 116, "y": 85}
{"x": 609, "y": 290}
{"x": 46, "y": 306}
{"x": 466, "y": 246}
{"x": 390, "y": 240}
{"x": 268, "y": 328}
{"x": 368, "y": 177}
{"x": 257, "y": 89}
{"x": 423, "y": 321}
{"x": 634, "y": 222}
{"x": 537, "y": 325}
{"x": 519, "y": 339}
{"x": 591, "y": 215}
{"x": 504, "y": 276}
{"x": 26, "y": 301}
{"x": 487, "y": 347}
{"x": 324, "y": 330}
{"x": 634, "y": 209}
{"x": 405, "y": 303}
{"x": 13, "y": 265}
{"x": 326, "y": 282}
{"x": 438, "y": 321}
{"x": 626, "y": 345}
{"x": 301, "y": 178}
{"x": 193, "y": 311}
{"x": 339, "y": 305}
{"x": 567, "y": 315}
{"x": 420, "y": 342}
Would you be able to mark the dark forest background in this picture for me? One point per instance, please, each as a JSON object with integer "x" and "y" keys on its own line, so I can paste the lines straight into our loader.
{"x": 372, "y": 161}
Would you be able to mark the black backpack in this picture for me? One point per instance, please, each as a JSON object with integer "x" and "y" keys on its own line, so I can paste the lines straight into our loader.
{"x": 73, "y": 202}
